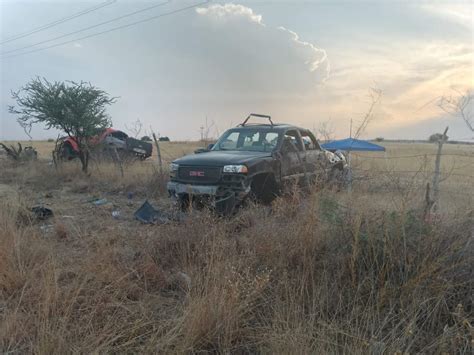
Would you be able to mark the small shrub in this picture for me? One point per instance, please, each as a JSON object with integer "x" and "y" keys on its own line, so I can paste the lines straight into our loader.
{"x": 436, "y": 137}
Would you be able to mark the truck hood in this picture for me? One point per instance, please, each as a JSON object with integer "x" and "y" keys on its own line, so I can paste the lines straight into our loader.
{"x": 221, "y": 158}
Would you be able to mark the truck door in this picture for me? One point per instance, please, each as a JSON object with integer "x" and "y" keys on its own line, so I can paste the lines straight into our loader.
{"x": 314, "y": 155}
{"x": 292, "y": 156}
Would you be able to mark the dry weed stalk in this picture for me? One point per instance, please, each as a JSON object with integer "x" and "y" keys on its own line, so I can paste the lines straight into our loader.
{"x": 316, "y": 272}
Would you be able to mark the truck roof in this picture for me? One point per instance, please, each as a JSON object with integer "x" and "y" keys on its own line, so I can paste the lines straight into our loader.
{"x": 275, "y": 126}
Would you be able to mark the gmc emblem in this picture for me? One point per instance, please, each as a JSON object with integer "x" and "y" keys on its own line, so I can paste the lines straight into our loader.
{"x": 196, "y": 173}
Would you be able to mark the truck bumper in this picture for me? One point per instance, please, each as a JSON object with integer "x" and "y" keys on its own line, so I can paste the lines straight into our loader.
{"x": 222, "y": 199}
{"x": 176, "y": 188}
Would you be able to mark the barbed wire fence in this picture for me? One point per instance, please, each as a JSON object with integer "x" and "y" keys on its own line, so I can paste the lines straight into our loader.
{"x": 409, "y": 177}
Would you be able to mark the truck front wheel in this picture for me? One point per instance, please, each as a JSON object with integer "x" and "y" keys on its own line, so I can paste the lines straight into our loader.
{"x": 264, "y": 188}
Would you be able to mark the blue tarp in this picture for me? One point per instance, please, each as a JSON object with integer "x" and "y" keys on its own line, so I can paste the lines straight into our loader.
{"x": 352, "y": 144}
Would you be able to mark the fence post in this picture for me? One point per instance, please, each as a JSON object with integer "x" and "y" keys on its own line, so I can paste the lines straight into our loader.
{"x": 436, "y": 177}
{"x": 160, "y": 163}
{"x": 349, "y": 171}
{"x": 117, "y": 160}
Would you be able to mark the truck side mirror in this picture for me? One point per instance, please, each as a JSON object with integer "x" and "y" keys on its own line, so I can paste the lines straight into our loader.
{"x": 210, "y": 146}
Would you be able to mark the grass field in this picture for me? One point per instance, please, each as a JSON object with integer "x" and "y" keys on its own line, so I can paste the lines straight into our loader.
{"x": 359, "y": 272}
{"x": 402, "y": 164}
{"x": 170, "y": 150}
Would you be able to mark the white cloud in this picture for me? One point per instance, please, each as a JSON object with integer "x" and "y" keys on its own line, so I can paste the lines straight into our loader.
{"x": 320, "y": 56}
{"x": 460, "y": 12}
{"x": 230, "y": 12}
{"x": 234, "y": 50}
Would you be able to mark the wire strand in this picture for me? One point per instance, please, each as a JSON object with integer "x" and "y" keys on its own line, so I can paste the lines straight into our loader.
{"x": 381, "y": 172}
{"x": 112, "y": 29}
{"x": 58, "y": 22}
{"x": 87, "y": 28}
{"x": 413, "y": 156}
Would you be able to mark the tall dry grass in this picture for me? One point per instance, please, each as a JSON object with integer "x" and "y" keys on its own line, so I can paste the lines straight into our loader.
{"x": 326, "y": 273}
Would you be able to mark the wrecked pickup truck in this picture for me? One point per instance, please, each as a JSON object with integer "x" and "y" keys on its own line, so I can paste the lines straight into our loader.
{"x": 251, "y": 160}
{"x": 108, "y": 139}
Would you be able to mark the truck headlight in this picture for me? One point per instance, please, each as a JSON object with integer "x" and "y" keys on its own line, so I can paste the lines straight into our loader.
{"x": 242, "y": 169}
{"x": 174, "y": 167}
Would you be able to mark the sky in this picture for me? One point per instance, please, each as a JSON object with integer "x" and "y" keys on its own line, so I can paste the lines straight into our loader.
{"x": 309, "y": 63}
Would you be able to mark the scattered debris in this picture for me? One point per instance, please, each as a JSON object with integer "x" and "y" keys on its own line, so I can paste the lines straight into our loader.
{"x": 100, "y": 202}
{"x": 46, "y": 228}
{"x": 20, "y": 154}
{"x": 148, "y": 214}
{"x": 130, "y": 197}
{"x": 42, "y": 212}
{"x": 116, "y": 214}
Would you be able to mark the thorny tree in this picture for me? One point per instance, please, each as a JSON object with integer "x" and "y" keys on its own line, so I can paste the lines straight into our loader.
{"x": 78, "y": 109}
{"x": 461, "y": 105}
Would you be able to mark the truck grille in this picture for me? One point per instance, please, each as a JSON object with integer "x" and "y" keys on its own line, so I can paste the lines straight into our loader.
{"x": 203, "y": 175}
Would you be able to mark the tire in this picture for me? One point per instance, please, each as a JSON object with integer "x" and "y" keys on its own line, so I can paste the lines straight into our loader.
{"x": 264, "y": 188}
{"x": 66, "y": 152}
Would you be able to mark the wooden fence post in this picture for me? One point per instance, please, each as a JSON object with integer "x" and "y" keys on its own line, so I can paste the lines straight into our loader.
{"x": 118, "y": 161}
{"x": 437, "y": 173}
{"x": 160, "y": 163}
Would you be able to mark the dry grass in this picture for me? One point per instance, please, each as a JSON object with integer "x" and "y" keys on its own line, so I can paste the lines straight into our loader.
{"x": 325, "y": 273}
{"x": 169, "y": 150}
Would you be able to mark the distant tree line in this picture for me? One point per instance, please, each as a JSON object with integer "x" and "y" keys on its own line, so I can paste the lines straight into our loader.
{"x": 161, "y": 139}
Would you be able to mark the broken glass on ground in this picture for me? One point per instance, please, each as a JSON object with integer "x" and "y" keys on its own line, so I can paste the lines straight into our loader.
{"x": 148, "y": 214}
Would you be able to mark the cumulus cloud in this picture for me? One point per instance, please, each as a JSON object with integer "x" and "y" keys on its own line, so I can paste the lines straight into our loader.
{"x": 319, "y": 56}
{"x": 231, "y": 49}
{"x": 230, "y": 12}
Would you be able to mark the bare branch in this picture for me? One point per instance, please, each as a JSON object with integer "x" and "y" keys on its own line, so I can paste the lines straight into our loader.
{"x": 325, "y": 131}
{"x": 135, "y": 128}
{"x": 375, "y": 97}
{"x": 461, "y": 106}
